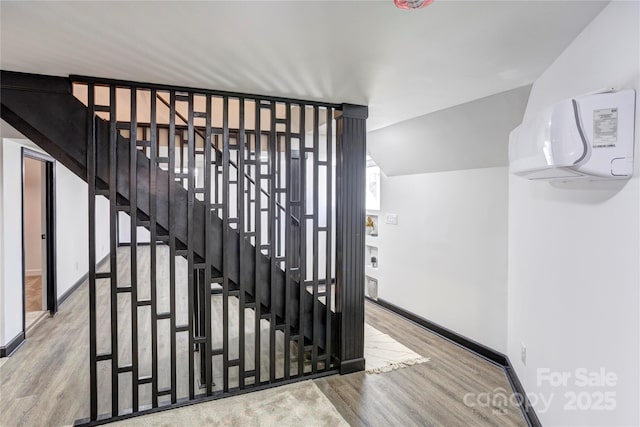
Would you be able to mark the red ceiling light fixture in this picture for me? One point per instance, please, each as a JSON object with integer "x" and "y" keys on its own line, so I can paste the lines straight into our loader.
{"x": 412, "y": 4}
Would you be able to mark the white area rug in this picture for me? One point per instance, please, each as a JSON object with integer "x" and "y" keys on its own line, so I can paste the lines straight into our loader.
{"x": 297, "y": 404}
{"x": 383, "y": 354}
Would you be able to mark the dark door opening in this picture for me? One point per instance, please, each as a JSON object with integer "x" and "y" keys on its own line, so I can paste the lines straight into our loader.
{"x": 38, "y": 237}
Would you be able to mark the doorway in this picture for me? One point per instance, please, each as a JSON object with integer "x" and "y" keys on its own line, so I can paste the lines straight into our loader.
{"x": 38, "y": 237}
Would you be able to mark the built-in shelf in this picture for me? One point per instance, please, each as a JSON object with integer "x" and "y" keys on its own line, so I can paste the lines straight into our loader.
{"x": 371, "y": 258}
{"x": 371, "y": 222}
{"x": 371, "y": 287}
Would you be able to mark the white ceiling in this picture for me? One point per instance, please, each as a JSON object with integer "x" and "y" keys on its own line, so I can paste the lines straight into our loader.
{"x": 402, "y": 64}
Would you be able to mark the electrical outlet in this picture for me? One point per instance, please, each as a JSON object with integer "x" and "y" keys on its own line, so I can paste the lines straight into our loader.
{"x": 523, "y": 353}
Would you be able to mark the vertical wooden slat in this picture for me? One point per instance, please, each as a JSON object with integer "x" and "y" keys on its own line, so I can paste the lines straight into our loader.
{"x": 241, "y": 227}
{"x": 208, "y": 249}
{"x": 288, "y": 245}
{"x": 316, "y": 317}
{"x": 191, "y": 166}
{"x": 113, "y": 246}
{"x": 91, "y": 178}
{"x": 273, "y": 252}
{"x": 225, "y": 246}
{"x": 258, "y": 241}
{"x": 153, "y": 144}
{"x": 172, "y": 242}
{"x": 328, "y": 224}
{"x": 303, "y": 238}
{"x": 133, "y": 213}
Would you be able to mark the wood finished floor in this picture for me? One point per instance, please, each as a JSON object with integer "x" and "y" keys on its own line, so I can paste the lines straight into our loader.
{"x": 45, "y": 383}
{"x": 429, "y": 394}
{"x": 33, "y": 293}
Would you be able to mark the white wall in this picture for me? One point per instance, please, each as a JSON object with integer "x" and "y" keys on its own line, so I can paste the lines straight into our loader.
{"x": 446, "y": 260}
{"x": 574, "y": 251}
{"x": 72, "y": 240}
{"x": 71, "y": 228}
{"x": 124, "y": 230}
{"x": 33, "y": 213}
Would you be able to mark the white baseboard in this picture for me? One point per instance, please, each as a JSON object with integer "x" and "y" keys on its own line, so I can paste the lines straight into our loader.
{"x": 33, "y": 272}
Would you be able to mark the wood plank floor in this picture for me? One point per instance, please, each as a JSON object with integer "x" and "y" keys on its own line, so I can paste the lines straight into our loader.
{"x": 33, "y": 293}
{"x": 46, "y": 382}
{"x": 429, "y": 394}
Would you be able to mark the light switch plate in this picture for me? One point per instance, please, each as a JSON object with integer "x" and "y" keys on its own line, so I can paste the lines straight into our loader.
{"x": 392, "y": 219}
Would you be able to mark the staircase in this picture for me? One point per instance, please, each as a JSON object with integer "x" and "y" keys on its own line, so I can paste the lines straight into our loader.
{"x": 250, "y": 228}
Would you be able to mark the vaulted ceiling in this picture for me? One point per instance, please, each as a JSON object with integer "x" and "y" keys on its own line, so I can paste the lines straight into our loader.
{"x": 402, "y": 64}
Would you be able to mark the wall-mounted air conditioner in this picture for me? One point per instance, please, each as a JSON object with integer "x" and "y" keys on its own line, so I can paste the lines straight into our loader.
{"x": 586, "y": 137}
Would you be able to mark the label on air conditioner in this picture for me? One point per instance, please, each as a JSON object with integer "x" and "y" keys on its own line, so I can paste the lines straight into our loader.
{"x": 605, "y": 127}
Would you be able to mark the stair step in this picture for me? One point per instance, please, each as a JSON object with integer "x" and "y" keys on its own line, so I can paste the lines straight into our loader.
{"x": 199, "y": 115}
{"x": 217, "y": 352}
{"x": 182, "y": 97}
{"x": 144, "y": 223}
{"x": 165, "y": 315}
{"x": 199, "y": 340}
{"x": 101, "y": 108}
{"x": 143, "y": 143}
{"x": 249, "y": 374}
{"x": 182, "y": 328}
{"x": 265, "y": 316}
{"x": 182, "y": 252}
{"x": 144, "y": 302}
{"x": 123, "y": 289}
{"x": 102, "y": 192}
{"x": 123, "y": 208}
{"x": 103, "y": 275}
{"x": 162, "y": 160}
{"x": 234, "y": 362}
